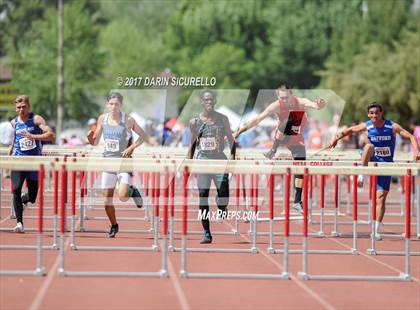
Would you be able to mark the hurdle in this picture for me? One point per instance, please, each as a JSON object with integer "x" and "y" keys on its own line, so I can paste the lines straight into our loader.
{"x": 74, "y": 246}
{"x": 89, "y": 205}
{"x": 305, "y": 275}
{"x": 408, "y": 201}
{"x": 87, "y": 202}
{"x": 254, "y": 202}
{"x": 305, "y": 201}
{"x": 186, "y": 274}
{"x": 10, "y": 162}
{"x": 24, "y": 164}
{"x": 39, "y": 269}
{"x": 62, "y": 271}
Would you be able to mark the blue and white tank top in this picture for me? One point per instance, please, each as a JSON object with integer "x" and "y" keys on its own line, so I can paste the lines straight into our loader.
{"x": 383, "y": 140}
{"x": 116, "y": 137}
{"x": 23, "y": 146}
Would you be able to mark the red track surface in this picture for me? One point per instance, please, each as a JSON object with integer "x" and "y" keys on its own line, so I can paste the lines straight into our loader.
{"x": 55, "y": 292}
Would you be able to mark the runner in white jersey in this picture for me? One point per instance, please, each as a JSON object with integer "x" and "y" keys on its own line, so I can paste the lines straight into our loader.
{"x": 116, "y": 127}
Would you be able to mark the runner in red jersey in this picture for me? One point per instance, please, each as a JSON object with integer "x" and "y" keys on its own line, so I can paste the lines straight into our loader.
{"x": 291, "y": 114}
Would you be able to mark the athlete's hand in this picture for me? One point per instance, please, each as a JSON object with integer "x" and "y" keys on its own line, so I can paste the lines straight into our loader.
{"x": 416, "y": 156}
{"x": 321, "y": 103}
{"x": 333, "y": 144}
{"x": 89, "y": 136}
{"x": 127, "y": 152}
{"x": 237, "y": 133}
{"x": 27, "y": 135}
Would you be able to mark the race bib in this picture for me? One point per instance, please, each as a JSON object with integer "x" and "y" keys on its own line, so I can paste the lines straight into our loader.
{"x": 112, "y": 145}
{"x": 27, "y": 144}
{"x": 296, "y": 129}
{"x": 208, "y": 144}
{"x": 383, "y": 151}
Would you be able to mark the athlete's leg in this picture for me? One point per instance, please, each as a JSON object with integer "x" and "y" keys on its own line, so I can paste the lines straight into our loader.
{"x": 125, "y": 190}
{"x": 279, "y": 139}
{"x": 17, "y": 178}
{"x": 298, "y": 153}
{"x": 203, "y": 183}
{"x": 383, "y": 185}
{"x": 221, "y": 182}
{"x": 32, "y": 190}
{"x": 380, "y": 204}
{"x": 108, "y": 182}
{"x": 123, "y": 186}
{"x": 368, "y": 151}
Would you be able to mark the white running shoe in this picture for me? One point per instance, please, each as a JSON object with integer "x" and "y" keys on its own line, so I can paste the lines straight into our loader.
{"x": 377, "y": 237}
{"x": 19, "y": 228}
{"x": 360, "y": 180}
{"x": 298, "y": 207}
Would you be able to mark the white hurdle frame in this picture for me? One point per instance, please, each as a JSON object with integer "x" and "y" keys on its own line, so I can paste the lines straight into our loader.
{"x": 305, "y": 275}
{"x": 62, "y": 271}
{"x": 40, "y": 268}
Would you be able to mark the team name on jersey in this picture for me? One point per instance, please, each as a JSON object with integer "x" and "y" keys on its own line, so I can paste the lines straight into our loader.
{"x": 380, "y": 138}
{"x": 28, "y": 129}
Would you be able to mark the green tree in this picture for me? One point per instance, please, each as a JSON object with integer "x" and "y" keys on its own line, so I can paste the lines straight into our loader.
{"x": 34, "y": 62}
{"x": 380, "y": 65}
{"x": 219, "y": 38}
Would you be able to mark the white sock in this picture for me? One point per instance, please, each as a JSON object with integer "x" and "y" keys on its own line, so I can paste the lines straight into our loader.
{"x": 377, "y": 226}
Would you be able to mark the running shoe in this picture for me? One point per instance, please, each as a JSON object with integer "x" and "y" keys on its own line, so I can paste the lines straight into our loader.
{"x": 19, "y": 228}
{"x": 377, "y": 237}
{"x": 269, "y": 154}
{"x": 298, "y": 207}
{"x": 25, "y": 200}
{"x": 360, "y": 180}
{"x": 135, "y": 194}
{"x": 207, "y": 238}
{"x": 113, "y": 231}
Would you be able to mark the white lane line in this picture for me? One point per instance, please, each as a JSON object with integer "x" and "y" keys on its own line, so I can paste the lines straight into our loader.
{"x": 36, "y": 303}
{"x": 303, "y": 286}
{"x": 374, "y": 259}
{"x": 173, "y": 275}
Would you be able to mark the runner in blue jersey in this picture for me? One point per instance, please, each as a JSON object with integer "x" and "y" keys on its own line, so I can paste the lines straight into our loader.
{"x": 116, "y": 127}
{"x": 30, "y": 129}
{"x": 380, "y": 148}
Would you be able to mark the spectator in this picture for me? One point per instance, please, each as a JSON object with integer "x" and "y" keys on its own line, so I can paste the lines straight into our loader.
{"x": 75, "y": 141}
{"x": 415, "y": 128}
{"x": 315, "y": 137}
{"x": 6, "y": 132}
{"x": 92, "y": 124}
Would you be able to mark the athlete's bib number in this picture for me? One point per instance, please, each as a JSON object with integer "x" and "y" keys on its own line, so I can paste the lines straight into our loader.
{"x": 382, "y": 151}
{"x": 112, "y": 145}
{"x": 27, "y": 144}
{"x": 208, "y": 144}
{"x": 296, "y": 129}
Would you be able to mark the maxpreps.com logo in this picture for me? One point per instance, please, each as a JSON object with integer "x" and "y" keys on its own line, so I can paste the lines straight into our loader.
{"x": 227, "y": 215}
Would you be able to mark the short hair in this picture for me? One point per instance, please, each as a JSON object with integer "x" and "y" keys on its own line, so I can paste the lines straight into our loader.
{"x": 208, "y": 91}
{"x": 22, "y": 98}
{"x": 283, "y": 86}
{"x": 375, "y": 105}
{"x": 115, "y": 95}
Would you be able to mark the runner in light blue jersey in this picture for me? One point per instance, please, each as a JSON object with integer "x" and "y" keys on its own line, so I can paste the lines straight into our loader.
{"x": 116, "y": 127}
